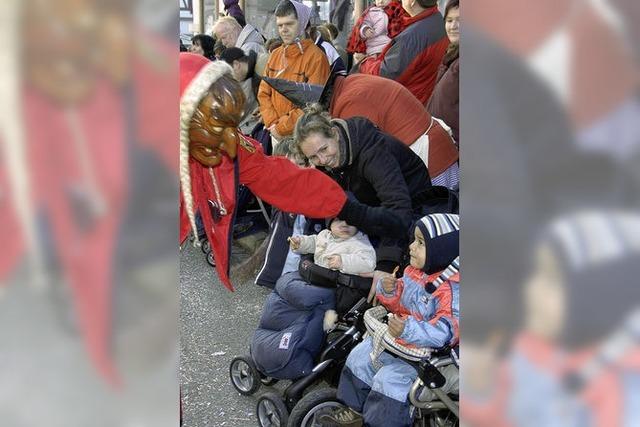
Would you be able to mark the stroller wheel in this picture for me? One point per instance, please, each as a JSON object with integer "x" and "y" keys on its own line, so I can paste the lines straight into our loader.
{"x": 312, "y": 406}
{"x": 268, "y": 381}
{"x": 244, "y": 375}
{"x": 271, "y": 411}
{"x": 211, "y": 260}
{"x": 205, "y": 246}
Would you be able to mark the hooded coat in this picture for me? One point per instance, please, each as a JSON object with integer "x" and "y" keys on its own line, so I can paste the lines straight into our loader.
{"x": 413, "y": 56}
{"x": 250, "y": 39}
{"x": 304, "y": 62}
{"x": 384, "y": 174}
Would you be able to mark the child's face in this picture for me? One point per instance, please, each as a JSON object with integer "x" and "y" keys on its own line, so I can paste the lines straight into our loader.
{"x": 341, "y": 229}
{"x": 545, "y": 297}
{"x": 418, "y": 250}
{"x": 382, "y": 3}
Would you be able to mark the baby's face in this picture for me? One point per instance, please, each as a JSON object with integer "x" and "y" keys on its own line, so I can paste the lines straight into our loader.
{"x": 382, "y": 3}
{"x": 341, "y": 229}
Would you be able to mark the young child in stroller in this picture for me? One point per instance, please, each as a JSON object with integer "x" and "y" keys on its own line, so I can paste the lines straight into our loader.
{"x": 424, "y": 316}
{"x": 341, "y": 247}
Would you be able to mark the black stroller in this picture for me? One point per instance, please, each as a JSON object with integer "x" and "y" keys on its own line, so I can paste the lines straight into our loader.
{"x": 290, "y": 408}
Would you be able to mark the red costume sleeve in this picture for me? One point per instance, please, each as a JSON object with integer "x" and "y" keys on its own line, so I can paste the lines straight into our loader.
{"x": 284, "y": 185}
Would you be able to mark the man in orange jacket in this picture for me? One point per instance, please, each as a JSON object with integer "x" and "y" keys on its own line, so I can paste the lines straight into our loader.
{"x": 298, "y": 59}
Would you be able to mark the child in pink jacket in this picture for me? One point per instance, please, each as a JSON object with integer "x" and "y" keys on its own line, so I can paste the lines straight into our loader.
{"x": 376, "y": 27}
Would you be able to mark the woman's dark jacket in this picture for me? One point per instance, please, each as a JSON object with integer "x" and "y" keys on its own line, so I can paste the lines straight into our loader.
{"x": 385, "y": 175}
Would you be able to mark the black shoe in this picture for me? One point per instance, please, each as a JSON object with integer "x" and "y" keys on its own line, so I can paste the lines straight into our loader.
{"x": 341, "y": 417}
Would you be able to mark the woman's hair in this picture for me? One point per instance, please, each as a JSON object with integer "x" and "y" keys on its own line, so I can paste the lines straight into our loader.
{"x": 207, "y": 43}
{"x": 333, "y": 30}
{"x": 286, "y": 8}
{"x": 319, "y": 30}
{"x": 451, "y": 4}
{"x": 315, "y": 120}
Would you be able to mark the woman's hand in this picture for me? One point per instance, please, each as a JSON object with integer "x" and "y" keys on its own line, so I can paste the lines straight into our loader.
{"x": 368, "y": 32}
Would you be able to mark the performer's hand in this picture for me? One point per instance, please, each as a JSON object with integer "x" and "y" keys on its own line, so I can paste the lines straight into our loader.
{"x": 358, "y": 57}
{"x": 396, "y": 326}
{"x": 334, "y": 262}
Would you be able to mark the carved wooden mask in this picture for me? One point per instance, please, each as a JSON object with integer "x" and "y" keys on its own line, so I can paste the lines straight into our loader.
{"x": 214, "y": 126}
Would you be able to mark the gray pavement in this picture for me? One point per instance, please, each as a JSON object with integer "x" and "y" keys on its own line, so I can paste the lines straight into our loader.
{"x": 46, "y": 376}
{"x": 215, "y": 326}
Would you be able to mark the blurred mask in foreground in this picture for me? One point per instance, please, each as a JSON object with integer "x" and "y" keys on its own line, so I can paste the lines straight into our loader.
{"x": 60, "y": 37}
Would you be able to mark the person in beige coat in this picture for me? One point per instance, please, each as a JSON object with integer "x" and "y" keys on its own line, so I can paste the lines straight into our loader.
{"x": 341, "y": 247}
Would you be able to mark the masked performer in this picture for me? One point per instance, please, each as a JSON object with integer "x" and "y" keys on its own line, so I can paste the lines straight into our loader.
{"x": 215, "y": 158}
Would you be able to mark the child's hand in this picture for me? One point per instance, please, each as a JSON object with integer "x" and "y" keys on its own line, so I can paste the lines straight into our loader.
{"x": 396, "y": 326}
{"x": 368, "y": 33}
{"x": 294, "y": 242}
{"x": 334, "y": 262}
{"x": 388, "y": 284}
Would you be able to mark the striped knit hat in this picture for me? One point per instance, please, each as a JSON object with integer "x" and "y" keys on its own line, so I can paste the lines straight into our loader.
{"x": 441, "y": 237}
{"x": 598, "y": 253}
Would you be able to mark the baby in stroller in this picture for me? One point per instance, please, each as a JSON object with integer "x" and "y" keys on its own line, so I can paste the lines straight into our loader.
{"x": 297, "y": 313}
{"x": 341, "y": 247}
{"x": 374, "y": 384}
